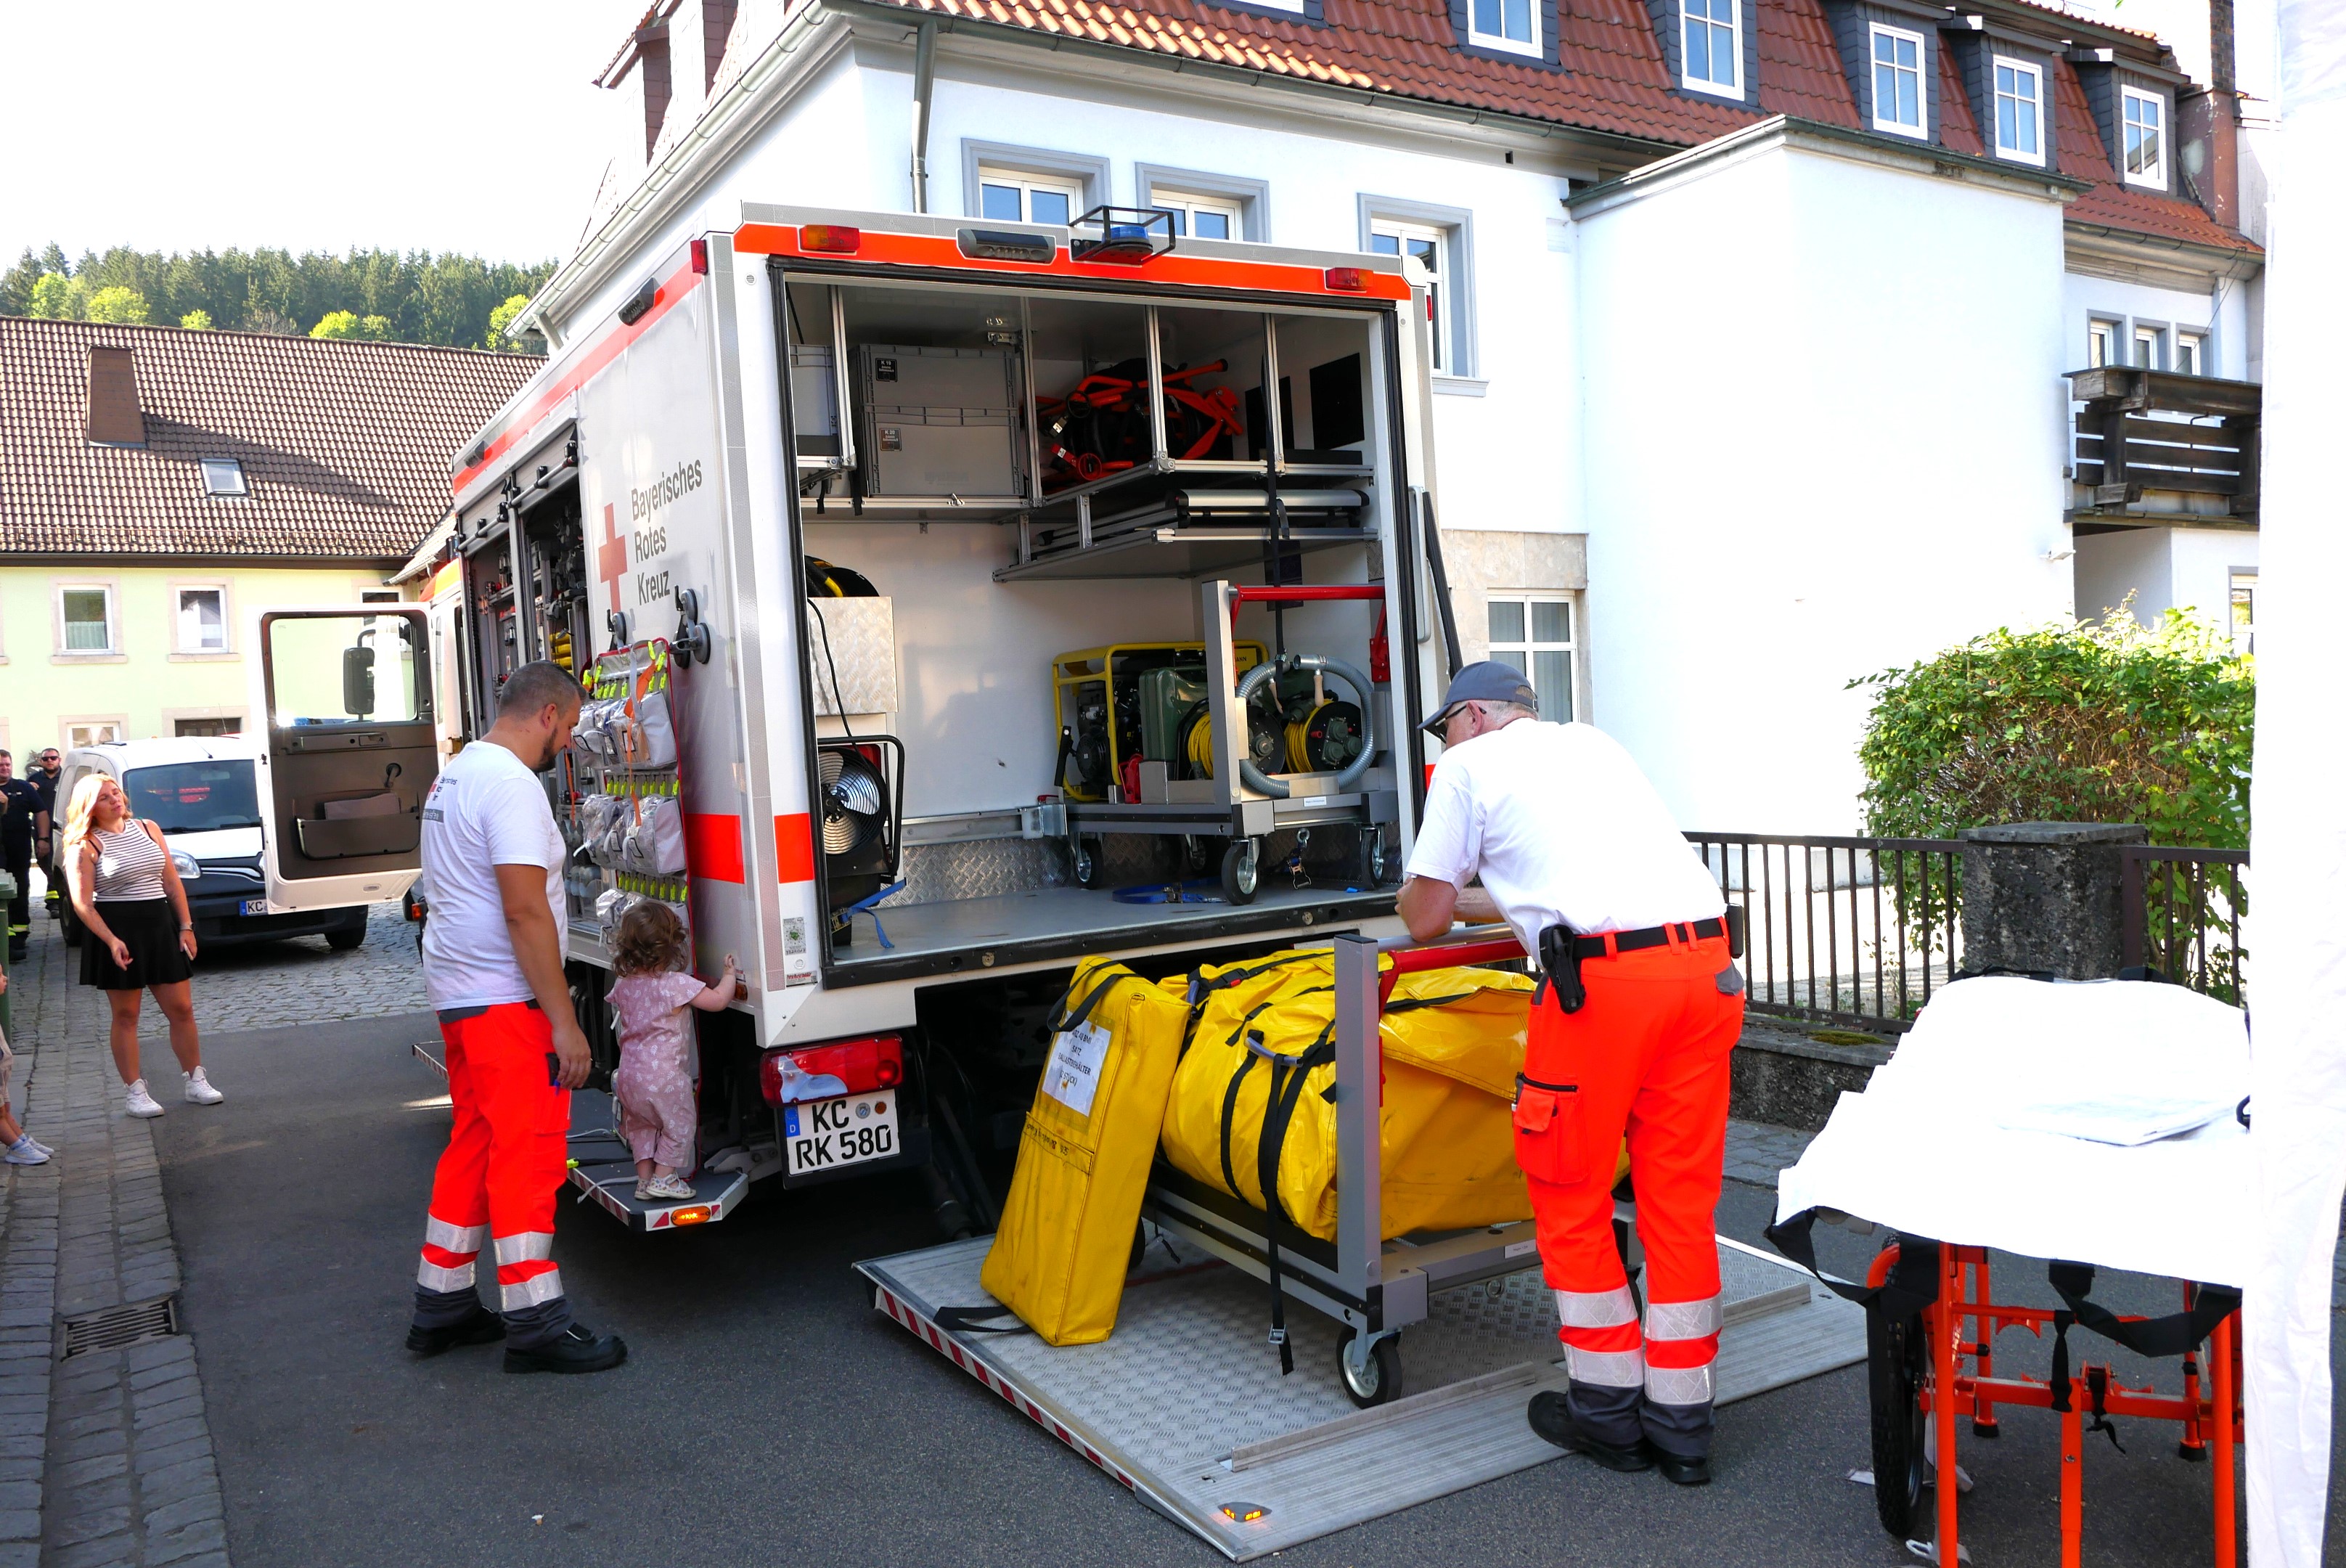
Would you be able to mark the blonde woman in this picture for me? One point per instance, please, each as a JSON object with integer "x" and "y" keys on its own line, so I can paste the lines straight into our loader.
{"x": 127, "y": 896}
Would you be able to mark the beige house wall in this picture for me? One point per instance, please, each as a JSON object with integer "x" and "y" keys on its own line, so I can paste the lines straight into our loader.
{"x": 147, "y": 683}
{"x": 1484, "y": 561}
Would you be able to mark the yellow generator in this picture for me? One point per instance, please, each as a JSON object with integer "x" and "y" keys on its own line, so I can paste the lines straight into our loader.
{"x": 1119, "y": 704}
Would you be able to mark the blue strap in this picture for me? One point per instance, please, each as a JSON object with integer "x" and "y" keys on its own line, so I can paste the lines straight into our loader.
{"x": 864, "y": 906}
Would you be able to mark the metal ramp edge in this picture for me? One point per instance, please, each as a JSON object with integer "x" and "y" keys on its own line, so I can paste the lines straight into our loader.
{"x": 1328, "y": 1475}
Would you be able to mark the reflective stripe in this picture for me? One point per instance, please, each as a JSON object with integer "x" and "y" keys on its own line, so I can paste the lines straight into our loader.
{"x": 528, "y": 1246}
{"x": 1597, "y": 1308}
{"x": 1682, "y": 1320}
{"x": 530, "y": 1292}
{"x": 1606, "y": 1368}
{"x": 431, "y": 1277}
{"x": 1678, "y": 1385}
{"x": 465, "y": 1238}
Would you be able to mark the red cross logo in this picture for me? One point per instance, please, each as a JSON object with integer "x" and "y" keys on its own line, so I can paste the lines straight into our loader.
{"x": 611, "y": 554}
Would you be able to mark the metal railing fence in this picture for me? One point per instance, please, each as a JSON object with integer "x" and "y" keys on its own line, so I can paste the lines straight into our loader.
{"x": 2179, "y": 915}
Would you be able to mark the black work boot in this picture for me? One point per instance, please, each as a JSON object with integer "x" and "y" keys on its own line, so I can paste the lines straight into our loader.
{"x": 577, "y": 1348}
{"x": 1553, "y": 1419}
{"x": 1683, "y": 1469}
{"x": 483, "y": 1327}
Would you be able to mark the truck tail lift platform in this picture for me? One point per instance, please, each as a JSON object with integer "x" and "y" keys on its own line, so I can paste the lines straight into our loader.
{"x": 1185, "y": 1405}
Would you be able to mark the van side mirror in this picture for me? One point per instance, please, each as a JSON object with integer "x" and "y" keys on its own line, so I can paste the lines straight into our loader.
{"x": 357, "y": 680}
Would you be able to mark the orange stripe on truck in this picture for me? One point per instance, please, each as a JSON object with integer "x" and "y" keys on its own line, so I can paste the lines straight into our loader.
{"x": 712, "y": 847}
{"x": 794, "y": 846}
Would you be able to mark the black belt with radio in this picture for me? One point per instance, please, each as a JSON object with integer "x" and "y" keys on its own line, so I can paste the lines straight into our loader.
{"x": 1561, "y": 950}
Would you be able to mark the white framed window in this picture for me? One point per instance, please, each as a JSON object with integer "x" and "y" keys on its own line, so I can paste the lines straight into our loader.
{"x": 2019, "y": 111}
{"x": 200, "y": 618}
{"x": 1897, "y": 80}
{"x": 2191, "y": 353}
{"x": 1431, "y": 248}
{"x": 1534, "y": 631}
{"x": 2149, "y": 348}
{"x": 2244, "y": 610}
{"x": 85, "y": 619}
{"x": 1203, "y": 217}
{"x": 1014, "y": 196}
{"x": 2102, "y": 338}
{"x": 1710, "y": 37}
{"x": 223, "y": 476}
{"x": 1509, "y": 24}
{"x": 2142, "y": 134}
{"x": 92, "y": 732}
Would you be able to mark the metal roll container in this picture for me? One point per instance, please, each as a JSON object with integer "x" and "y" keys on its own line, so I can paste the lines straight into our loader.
{"x": 1375, "y": 1288}
{"x": 1238, "y": 804}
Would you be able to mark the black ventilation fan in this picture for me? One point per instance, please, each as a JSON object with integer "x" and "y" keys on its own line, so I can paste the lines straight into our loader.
{"x": 862, "y": 806}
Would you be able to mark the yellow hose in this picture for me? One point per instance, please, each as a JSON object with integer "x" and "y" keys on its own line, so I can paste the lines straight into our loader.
{"x": 1202, "y": 748}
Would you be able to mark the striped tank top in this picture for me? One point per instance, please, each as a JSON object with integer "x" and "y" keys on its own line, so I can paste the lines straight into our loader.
{"x": 130, "y": 864}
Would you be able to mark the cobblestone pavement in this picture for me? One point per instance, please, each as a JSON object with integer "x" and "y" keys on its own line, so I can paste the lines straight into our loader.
{"x": 1756, "y": 1151}
{"x": 269, "y": 984}
{"x": 106, "y": 1458}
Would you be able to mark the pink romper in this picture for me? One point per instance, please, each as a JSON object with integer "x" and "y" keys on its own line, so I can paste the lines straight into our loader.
{"x": 658, "y": 1113}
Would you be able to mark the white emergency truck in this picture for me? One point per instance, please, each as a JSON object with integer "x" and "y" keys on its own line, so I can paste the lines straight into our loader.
{"x": 922, "y": 570}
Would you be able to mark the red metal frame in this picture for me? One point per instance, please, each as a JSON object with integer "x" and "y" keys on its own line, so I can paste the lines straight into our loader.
{"x": 1978, "y": 1393}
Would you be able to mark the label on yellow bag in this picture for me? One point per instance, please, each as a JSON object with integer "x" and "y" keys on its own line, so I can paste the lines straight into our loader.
{"x": 1072, "y": 1076}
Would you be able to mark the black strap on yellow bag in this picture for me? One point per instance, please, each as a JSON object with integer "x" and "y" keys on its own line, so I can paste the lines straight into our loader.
{"x": 1288, "y": 1074}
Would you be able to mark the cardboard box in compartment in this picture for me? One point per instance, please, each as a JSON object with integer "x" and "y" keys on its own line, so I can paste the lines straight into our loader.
{"x": 863, "y": 644}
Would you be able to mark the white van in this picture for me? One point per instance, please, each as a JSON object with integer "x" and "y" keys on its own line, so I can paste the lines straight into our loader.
{"x": 201, "y": 791}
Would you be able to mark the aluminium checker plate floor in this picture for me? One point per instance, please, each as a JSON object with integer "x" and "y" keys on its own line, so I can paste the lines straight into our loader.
{"x": 1215, "y": 1423}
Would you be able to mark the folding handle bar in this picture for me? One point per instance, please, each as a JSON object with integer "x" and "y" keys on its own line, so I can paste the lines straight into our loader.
{"x": 1462, "y": 947}
{"x": 1301, "y": 592}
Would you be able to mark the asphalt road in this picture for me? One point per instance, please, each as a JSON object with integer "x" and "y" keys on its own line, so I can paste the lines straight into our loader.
{"x": 768, "y": 1413}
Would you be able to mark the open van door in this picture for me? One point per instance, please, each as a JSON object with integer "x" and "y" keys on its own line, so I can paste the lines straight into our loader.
{"x": 345, "y": 698}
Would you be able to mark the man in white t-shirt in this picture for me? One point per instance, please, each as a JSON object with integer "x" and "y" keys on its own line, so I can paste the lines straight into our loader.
{"x": 1638, "y": 1007}
{"x": 492, "y": 862}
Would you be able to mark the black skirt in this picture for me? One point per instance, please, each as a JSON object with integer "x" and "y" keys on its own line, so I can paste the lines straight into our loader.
{"x": 150, "y": 930}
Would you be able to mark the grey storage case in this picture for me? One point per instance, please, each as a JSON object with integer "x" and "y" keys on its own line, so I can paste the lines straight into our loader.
{"x": 936, "y": 422}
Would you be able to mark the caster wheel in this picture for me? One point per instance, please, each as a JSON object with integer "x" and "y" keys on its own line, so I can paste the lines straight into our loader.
{"x": 1196, "y": 855}
{"x": 1239, "y": 874}
{"x": 1376, "y": 1382}
{"x": 1374, "y": 860}
{"x": 1091, "y": 863}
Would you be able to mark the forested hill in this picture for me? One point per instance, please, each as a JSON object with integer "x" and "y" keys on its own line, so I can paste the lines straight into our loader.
{"x": 417, "y": 297}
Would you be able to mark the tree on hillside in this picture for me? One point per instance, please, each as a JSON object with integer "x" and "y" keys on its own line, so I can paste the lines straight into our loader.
{"x": 197, "y": 321}
{"x": 414, "y": 297}
{"x": 117, "y": 305}
{"x": 501, "y": 320}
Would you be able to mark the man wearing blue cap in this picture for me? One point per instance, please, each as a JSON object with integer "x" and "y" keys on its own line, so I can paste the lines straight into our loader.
{"x": 1638, "y": 1006}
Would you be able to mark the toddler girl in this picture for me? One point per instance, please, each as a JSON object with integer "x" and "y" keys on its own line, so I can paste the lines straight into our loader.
{"x": 658, "y": 1116}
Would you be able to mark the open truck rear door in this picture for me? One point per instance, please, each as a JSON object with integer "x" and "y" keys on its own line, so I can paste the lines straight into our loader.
{"x": 345, "y": 696}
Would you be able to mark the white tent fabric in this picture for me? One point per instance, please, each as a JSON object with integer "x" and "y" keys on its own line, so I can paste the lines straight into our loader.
{"x": 2295, "y": 931}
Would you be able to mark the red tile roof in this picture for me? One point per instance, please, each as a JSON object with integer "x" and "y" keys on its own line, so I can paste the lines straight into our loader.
{"x": 345, "y": 445}
{"x": 1612, "y": 79}
{"x": 2079, "y": 151}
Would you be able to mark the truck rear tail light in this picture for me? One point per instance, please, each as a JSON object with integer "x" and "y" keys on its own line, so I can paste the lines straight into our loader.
{"x": 823, "y": 1072}
{"x": 700, "y": 265}
{"x": 831, "y": 239}
{"x": 1347, "y": 280}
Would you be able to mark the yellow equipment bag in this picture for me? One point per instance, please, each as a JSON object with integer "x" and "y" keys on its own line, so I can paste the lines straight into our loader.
{"x": 1261, "y": 1050}
{"x": 1065, "y": 1242}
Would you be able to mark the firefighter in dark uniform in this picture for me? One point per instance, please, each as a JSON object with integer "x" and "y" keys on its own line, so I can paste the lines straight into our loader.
{"x": 43, "y": 775}
{"x": 26, "y": 819}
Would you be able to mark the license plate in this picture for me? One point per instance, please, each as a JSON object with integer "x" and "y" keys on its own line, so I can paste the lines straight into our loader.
{"x": 253, "y": 906}
{"x": 823, "y": 1135}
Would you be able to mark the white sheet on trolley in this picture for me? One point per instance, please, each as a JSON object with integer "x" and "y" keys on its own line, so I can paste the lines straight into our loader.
{"x": 1926, "y": 1149}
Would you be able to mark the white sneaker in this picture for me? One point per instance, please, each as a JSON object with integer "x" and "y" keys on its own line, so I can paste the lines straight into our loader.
{"x": 25, "y": 1152}
{"x": 138, "y": 1102}
{"x": 200, "y": 1091}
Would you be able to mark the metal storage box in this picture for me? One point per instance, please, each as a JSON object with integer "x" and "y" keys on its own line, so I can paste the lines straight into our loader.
{"x": 936, "y": 422}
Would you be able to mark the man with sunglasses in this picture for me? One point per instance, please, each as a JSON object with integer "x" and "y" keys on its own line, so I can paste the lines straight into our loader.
{"x": 1638, "y": 1007}
{"x": 43, "y": 775}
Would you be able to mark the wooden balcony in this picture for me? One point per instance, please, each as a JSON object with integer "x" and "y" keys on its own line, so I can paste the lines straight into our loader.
{"x": 2157, "y": 447}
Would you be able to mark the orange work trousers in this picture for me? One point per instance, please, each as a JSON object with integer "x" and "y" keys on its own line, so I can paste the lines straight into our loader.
{"x": 1645, "y": 1055}
{"x": 502, "y": 1170}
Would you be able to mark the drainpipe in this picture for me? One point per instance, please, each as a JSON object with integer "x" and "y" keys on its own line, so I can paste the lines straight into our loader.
{"x": 925, "y": 70}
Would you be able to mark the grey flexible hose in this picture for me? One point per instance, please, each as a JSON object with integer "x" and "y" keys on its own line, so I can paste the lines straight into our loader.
{"x": 1261, "y": 782}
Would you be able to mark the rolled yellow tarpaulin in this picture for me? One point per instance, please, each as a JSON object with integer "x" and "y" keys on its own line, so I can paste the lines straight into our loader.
{"x": 1065, "y": 1242}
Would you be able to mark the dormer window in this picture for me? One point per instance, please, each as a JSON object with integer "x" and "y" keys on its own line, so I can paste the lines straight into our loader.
{"x": 1714, "y": 46}
{"x": 1897, "y": 81}
{"x": 2143, "y": 125}
{"x": 224, "y": 476}
{"x": 1510, "y": 24}
{"x": 2019, "y": 111}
